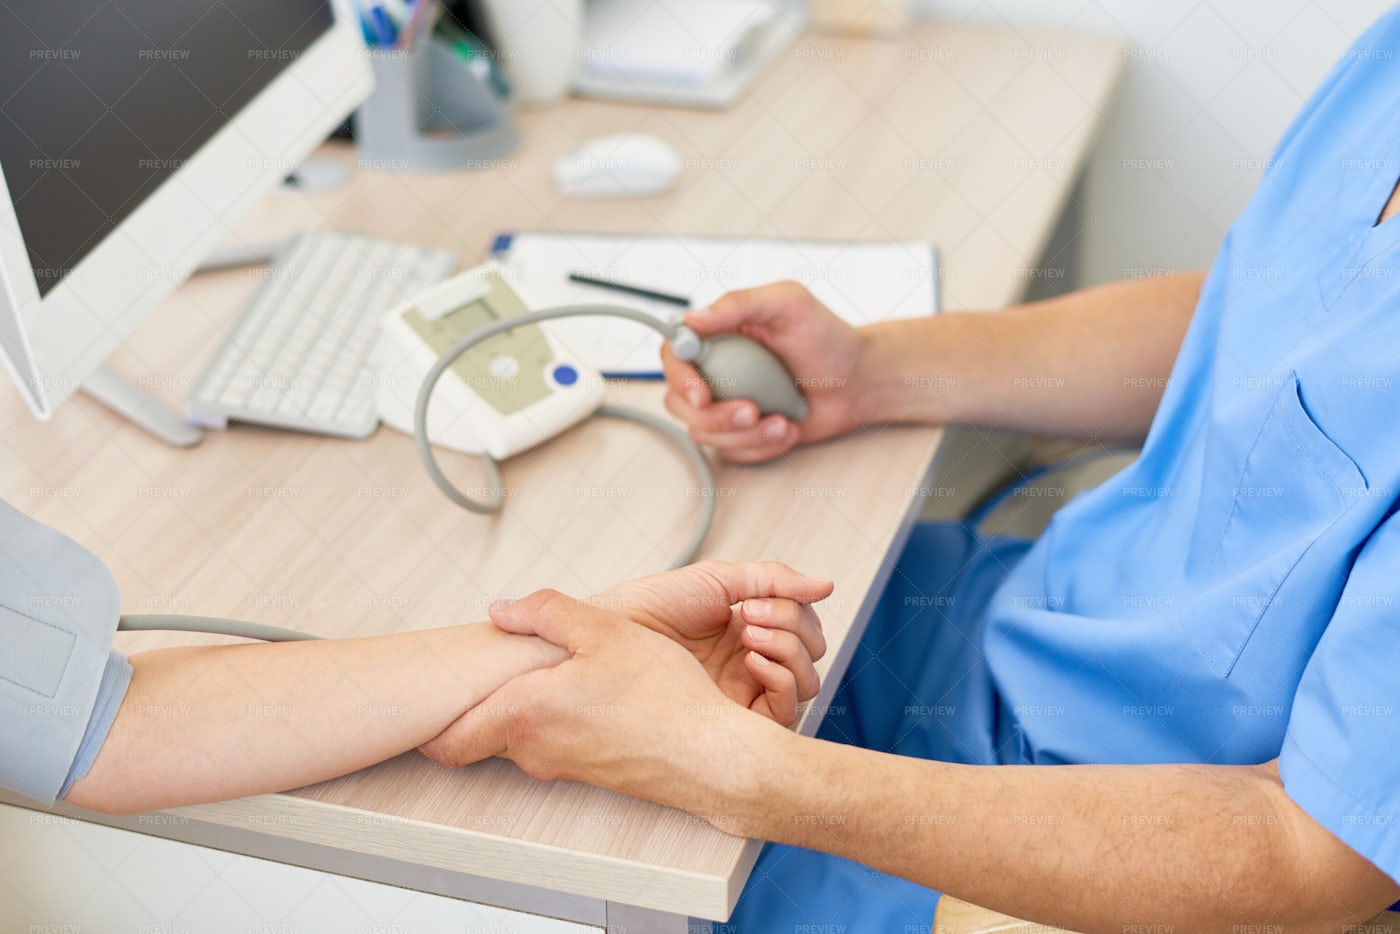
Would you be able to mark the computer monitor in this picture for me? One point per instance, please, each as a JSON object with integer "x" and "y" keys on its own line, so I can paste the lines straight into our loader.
{"x": 132, "y": 136}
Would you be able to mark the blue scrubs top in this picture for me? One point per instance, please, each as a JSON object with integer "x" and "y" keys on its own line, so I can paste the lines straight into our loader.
{"x": 1234, "y": 595}
{"x": 1230, "y": 598}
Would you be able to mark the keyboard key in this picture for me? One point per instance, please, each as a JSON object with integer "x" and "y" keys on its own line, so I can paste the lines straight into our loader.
{"x": 298, "y": 355}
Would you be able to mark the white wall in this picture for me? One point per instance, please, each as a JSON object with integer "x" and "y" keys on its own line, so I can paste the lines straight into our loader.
{"x": 1207, "y": 89}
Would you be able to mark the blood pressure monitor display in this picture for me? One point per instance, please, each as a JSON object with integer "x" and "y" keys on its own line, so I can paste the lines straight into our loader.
{"x": 507, "y": 393}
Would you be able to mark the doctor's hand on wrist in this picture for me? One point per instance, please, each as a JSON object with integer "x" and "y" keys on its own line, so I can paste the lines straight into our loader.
{"x": 631, "y": 710}
{"x": 748, "y": 629}
{"x": 824, "y": 354}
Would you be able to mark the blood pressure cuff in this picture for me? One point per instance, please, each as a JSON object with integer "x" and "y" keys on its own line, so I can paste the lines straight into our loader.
{"x": 61, "y": 682}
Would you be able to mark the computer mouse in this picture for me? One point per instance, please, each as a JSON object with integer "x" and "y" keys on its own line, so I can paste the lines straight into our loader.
{"x": 736, "y": 367}
{"x": 625, "y": 165}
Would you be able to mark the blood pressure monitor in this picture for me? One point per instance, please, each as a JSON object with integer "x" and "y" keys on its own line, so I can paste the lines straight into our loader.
{"x": 468, "y": 365}
{"x": 500, "y": 397}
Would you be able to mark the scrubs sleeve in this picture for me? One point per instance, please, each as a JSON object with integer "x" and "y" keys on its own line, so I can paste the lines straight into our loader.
{"x": 61, "y": 682}
{"x": 1339, "y": 759}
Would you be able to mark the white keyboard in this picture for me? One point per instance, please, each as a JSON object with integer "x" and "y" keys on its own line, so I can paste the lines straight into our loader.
{"x": 298, "y": 357}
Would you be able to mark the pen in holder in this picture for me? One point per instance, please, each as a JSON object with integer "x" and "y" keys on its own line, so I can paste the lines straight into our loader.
{"x": 432, "y": 110}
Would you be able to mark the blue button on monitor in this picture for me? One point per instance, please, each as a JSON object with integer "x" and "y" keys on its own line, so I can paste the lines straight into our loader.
{"x": 565, "y": 375}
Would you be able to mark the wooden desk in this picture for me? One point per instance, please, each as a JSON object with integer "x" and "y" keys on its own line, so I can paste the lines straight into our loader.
{"x": 969, "y": 137}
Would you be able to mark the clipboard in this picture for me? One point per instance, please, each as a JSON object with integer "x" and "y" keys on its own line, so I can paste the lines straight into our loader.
{"x": 863, "y": 282}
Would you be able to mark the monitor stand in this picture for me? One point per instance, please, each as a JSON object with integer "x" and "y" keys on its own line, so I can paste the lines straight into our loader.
{"x": 136, "y": 405}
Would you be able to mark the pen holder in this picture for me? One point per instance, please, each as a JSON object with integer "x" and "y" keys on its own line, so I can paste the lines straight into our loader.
{"x": 430, "y": 111}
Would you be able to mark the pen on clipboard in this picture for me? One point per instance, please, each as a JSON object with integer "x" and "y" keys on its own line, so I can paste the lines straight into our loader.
{"x": 637, "y": 290}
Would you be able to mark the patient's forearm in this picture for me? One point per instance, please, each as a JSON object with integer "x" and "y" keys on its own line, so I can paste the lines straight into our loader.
{"x": 205, "y": 724}
{"x": 1090, "y": 365}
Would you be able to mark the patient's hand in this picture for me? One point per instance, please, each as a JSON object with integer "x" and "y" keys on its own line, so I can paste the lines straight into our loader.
{"x": 751, "y": 626}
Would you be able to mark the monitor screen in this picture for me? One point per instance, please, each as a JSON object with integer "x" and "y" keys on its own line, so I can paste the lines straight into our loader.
{"x": 101, "y": 102}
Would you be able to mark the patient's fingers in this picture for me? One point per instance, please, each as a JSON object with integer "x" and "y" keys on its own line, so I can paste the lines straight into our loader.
{"x": 779, "y": 688}
{"x": 789, "y": 616}
{"x": 784, "y": 648}
{"x": 744, "y": 580}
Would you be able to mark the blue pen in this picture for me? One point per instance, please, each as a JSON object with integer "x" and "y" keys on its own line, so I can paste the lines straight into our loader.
{"x": 367, "y": 23}
{"x": 386, "y": 25}
{"x": 366, "y": 27}
{"x": 378, "y": 23}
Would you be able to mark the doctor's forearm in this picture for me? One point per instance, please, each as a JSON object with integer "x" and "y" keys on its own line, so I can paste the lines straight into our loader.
{"x": 1088, "y": 848}
{"x": 206, "y": 724}
{"x": 1090, "y": 365}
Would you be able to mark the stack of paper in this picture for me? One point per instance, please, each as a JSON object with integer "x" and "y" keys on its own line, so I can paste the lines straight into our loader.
{"x": 673, "y": 41}
{"x": 862, "y": 282}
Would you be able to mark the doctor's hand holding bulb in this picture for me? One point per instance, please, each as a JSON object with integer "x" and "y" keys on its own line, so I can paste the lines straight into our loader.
{"x": 826, "y": 356}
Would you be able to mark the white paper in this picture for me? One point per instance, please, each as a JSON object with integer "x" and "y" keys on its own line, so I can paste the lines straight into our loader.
{"x": 673, "y": 40}
{"x": 862, "y": 282}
